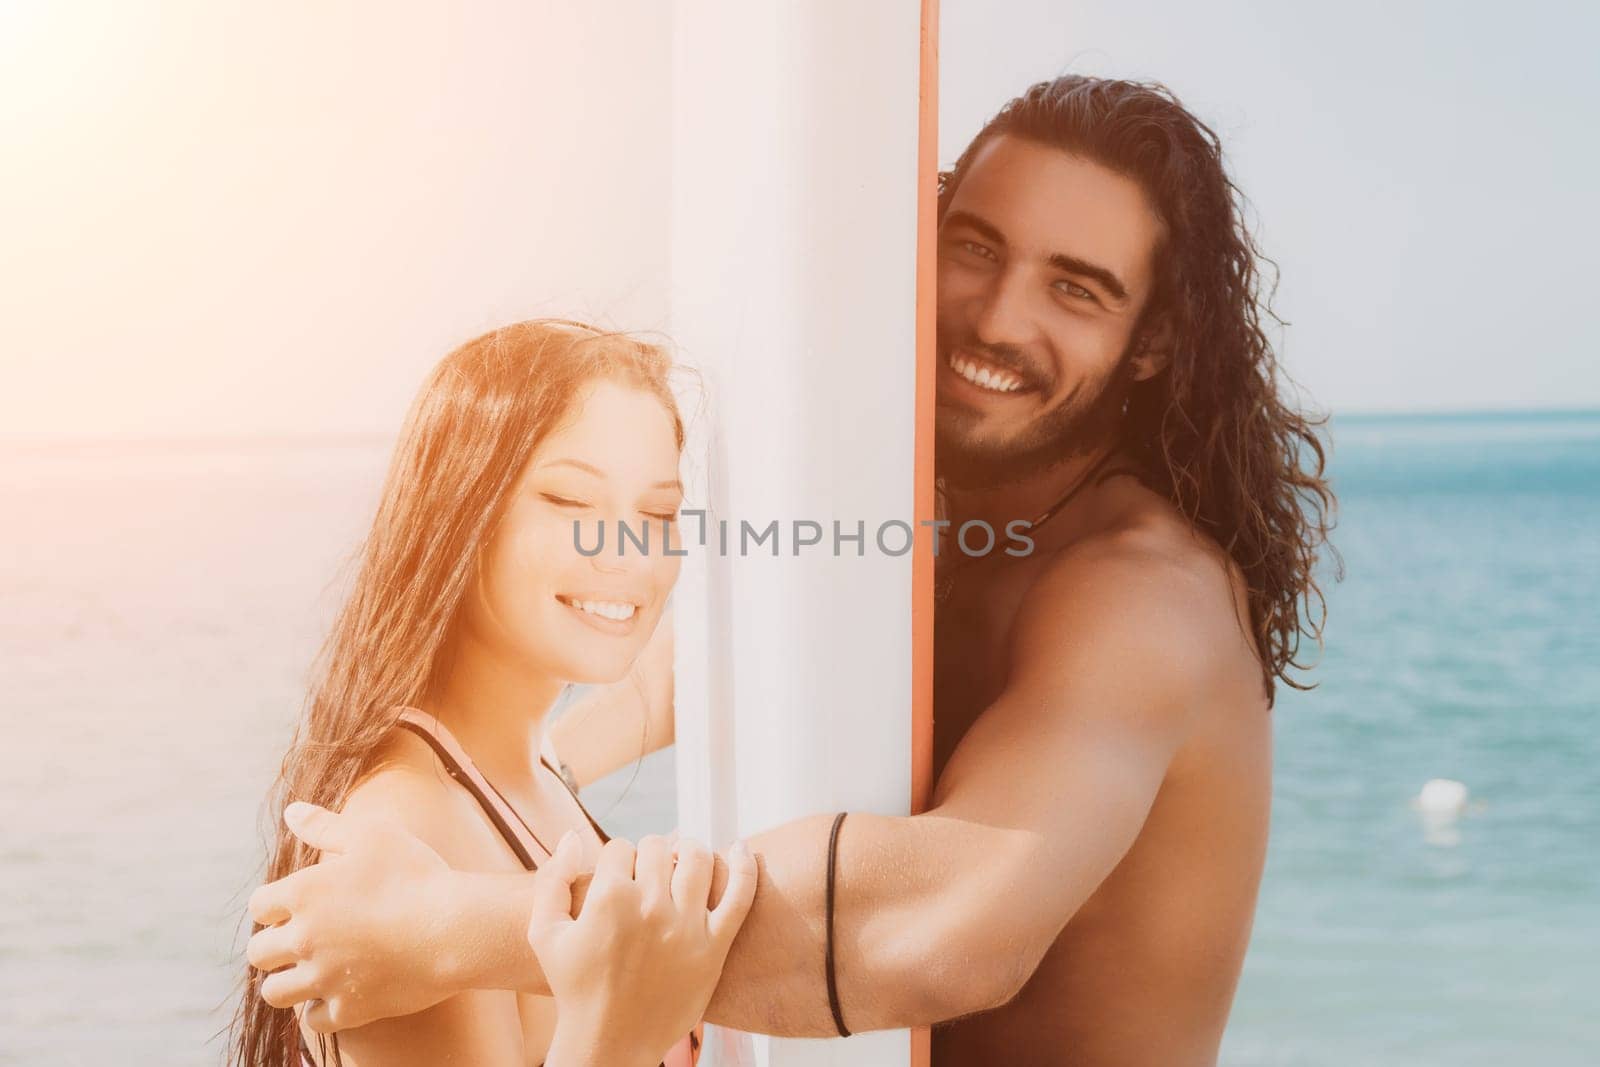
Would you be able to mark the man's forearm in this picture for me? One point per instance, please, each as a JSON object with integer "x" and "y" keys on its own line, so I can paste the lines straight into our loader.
{"x": 772, "y": 974}
{"x": 907, "y": 949}
{"x": 485, "y": 945}
{"x": 772, "y": 982}
{"x": 911, "y": 941}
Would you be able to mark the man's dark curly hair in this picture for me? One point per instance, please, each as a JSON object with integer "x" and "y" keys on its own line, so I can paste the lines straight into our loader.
{"x": 1211, "y": 430}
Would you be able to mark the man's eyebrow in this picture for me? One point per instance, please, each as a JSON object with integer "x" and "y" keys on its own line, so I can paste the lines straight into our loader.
{"x": 1093, "y": 271}
{"x": 598, "y": 473}
{"x": 989, "y": 230}
{"x": 1104, "y": 277}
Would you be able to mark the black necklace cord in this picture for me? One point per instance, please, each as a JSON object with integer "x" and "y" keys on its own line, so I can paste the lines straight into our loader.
{"x": 1087, "y": 480}
{"x": 946, "y": 581}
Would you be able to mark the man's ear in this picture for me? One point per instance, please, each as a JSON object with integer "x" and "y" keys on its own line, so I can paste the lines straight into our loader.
{"x": 1152, "y": 351}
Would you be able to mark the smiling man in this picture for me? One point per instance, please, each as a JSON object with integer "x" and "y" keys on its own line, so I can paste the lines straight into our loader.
{"x": 1082, "y": 889}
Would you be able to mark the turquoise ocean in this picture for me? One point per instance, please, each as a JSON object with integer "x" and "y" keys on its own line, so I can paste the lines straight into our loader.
{"x": 160, "y": 602}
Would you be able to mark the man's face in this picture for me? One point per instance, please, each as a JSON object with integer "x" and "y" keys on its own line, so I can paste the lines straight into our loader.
{"x": 1045, "y": 261}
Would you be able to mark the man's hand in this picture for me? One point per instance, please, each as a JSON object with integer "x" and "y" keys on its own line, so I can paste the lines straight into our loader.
{"x": 358, "y": 933}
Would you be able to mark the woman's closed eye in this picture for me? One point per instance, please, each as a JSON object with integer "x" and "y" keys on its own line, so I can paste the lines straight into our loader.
{"x": 664, "y": 515}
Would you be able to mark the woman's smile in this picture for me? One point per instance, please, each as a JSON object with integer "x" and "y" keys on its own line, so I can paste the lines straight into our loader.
{"x": 614, "y": 617}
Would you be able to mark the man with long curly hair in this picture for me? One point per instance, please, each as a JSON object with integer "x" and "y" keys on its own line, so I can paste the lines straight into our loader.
{"x": 1083, "y": 887}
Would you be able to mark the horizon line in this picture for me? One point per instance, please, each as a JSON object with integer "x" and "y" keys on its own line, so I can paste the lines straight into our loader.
{"x": 351, "y": 438}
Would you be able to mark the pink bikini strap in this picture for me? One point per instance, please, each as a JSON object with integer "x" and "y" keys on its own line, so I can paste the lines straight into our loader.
{"x": 460, "y": 767}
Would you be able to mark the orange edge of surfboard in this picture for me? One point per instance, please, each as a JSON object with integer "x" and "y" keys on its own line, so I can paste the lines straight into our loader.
{"x": 922, "y": 462}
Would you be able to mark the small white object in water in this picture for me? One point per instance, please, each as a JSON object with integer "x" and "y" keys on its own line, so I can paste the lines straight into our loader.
{"x": 1443, "y": 798}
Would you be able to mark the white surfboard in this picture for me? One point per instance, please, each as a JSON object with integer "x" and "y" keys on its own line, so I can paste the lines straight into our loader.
{"x": 803, "y": 177}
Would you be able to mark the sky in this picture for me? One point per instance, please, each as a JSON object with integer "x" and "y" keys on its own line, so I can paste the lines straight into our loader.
{"x": 1423, "y": 173}
{"x": 229, "y": 219}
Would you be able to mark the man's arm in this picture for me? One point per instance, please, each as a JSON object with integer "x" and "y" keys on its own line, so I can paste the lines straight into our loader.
{"x": 949, "y": 912}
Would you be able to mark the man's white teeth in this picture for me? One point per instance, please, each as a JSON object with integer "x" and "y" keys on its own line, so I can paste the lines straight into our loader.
{"x": 998, "y": 381}
{"x": 606, "y": 609}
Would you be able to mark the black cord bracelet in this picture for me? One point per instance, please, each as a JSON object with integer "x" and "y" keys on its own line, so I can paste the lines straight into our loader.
{"x": 827, "y": 954}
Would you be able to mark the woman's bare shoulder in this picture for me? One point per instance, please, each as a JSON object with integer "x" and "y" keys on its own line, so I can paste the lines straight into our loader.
{"x": 406, "y": 783}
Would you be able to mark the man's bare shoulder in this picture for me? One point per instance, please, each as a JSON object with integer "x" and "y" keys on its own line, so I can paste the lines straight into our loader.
{"x": 407, "y": 784}
{"x": 1139, "y": 521}
{"x": 1149, "y": 594}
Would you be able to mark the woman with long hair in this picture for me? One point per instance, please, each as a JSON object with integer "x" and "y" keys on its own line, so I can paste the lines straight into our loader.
{"x": 479, "y": 597}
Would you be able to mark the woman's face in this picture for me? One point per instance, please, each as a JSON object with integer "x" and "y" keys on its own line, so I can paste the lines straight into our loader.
{"x": 584, "y": 618}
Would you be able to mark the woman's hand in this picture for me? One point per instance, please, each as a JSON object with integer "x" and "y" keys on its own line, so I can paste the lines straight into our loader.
{"x": 634, "y": 972}
{"x": 358, "y": 934}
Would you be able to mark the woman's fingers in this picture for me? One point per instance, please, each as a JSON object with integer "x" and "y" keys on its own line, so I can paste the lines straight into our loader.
{"x": 728, "y": 915}
{"x": 552, "y": 892}
{"x": 274, "y": 947}
{"x": 652, "y": 869}
{"x": 615, "y": 865}
{"x": 691, "y": 881}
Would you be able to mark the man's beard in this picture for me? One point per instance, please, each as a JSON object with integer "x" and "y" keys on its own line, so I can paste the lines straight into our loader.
{"x": 1077, "y": 426}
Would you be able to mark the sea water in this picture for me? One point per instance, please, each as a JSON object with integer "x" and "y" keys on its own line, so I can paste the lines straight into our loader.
{"x": 1463, "y": 643}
